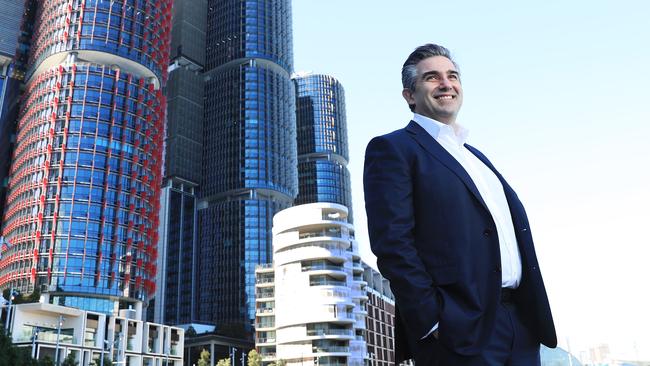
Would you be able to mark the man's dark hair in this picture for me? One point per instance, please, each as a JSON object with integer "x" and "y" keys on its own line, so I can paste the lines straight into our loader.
{"x": 409, "y": 73}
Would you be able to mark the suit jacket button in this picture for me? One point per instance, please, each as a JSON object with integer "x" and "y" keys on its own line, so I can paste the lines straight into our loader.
{"x": 487, "y": 232}
{"x": 524, "y": 230}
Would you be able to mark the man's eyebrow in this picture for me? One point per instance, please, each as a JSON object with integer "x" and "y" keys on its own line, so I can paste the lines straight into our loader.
{"x": 434, "y": 72}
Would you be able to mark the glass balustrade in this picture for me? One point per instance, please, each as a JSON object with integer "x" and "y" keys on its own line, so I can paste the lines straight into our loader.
{"x": 327, "y": 332}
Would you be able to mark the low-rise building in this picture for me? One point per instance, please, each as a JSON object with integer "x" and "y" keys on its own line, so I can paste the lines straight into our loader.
{"x": 380, "y": 322}
{"x": 311, "y": 302}
{"x": 49, "y": 329}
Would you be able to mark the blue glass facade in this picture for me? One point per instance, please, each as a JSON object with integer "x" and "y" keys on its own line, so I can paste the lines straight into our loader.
{"x": 175, "y": 299}
{"x": 249, "y": 151}
{"x": 82, "y": 208}
{"x": 244, "y": 29}
{"x": 179, "y": 270}
{"x": 322, "y": 141}
{"x": 10, "y": 81}
{"x": 9, "y": 94}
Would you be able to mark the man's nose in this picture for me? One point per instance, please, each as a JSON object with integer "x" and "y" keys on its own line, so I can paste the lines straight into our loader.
{"x": 445, "y": 83}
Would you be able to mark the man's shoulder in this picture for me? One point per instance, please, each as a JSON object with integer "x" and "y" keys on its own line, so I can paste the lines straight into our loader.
{"x": 396, "y": 136}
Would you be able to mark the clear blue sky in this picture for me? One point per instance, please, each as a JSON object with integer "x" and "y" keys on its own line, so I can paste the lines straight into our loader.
{"x": 557, "y": 95}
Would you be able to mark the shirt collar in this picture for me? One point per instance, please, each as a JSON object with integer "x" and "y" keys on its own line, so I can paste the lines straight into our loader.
{"x": 439, "y": 130}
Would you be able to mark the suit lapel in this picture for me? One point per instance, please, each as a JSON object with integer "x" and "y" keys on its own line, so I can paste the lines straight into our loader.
{"x": 434, "y": 148}
{"x": 514, "y": 204}
{"x": 511, "y": 196}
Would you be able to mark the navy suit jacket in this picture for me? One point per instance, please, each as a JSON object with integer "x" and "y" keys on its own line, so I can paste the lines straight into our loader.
{"x": 437, "y": 244}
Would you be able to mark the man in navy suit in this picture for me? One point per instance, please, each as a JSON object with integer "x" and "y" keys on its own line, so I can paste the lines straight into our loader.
{"x": 451, "y": 235}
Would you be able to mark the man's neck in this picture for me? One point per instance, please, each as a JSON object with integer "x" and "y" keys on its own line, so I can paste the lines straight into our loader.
{"x": 451, "y": 123}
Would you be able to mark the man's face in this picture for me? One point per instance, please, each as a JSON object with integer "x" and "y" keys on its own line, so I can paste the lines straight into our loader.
{"x": 438, "y": 93}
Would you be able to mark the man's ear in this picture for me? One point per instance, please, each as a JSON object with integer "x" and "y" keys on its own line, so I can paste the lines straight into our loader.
{"x": 408, "y": 96}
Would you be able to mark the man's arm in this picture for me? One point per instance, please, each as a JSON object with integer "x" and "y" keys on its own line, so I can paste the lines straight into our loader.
{"x": 388, "y": 189}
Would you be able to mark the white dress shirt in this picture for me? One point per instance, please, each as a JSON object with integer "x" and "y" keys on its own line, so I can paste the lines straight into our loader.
{"x": 490, "y": 189}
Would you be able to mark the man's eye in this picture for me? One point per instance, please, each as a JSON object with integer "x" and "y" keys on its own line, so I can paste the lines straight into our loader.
{"x": 431, "y": 77}
{"x": 453, "y": 77}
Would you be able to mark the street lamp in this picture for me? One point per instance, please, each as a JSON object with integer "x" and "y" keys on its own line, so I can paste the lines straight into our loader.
{"x": 232, "y": 355}
{"x": 35, "y": 331}
{"x": 13, "y": 292}
{"x": 167, "y": 347}
{"x": 104, "y": 344}
{"x": 58, "y": 335}
{"x": 120, "y": 350}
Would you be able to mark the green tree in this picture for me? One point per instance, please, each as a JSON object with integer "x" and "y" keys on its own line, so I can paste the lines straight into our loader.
{"x": 190, "y": 332}
{"x": 204, "y": 359}
{"x": 70, "y": 361}
{"x": 224, "y": 362}
{"x": 98, "y": 362}
{"x": 11, "y": 355}
{"x": 46, "y": 361}
{"x": 254, "y": 358}
{"x": 23, "y": 298}
{"x": 281, "y": 363}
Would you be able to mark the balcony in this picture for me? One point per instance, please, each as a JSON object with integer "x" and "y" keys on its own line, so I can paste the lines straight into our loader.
{"x": 266, "y": 293}
{"x": 131, "y": 343}
{"x": 265, "y": 340}
{"x": 175, "y": 350}
{"x": 264, "y": 280}
{"x": 265, "y": 311}
{"x": 331, "y": 232}
{"x": 323, "y": 267}
{"x": 326, "y": 282}
{"x": 329, "y": 332}
{"x": 264, "y": 268}
{"x": 89, "y": 342}
{"x": 265, "y": 324}
{"x": 268, "y": 356}
{"x": 44, "y": 336}
{"x": 334, "y": 216}
{"x": 357, "y": 267}
{"x": 330, "y": 349}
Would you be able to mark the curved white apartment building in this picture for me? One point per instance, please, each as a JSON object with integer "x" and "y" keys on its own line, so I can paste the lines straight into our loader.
{"x": 311, "y": 303}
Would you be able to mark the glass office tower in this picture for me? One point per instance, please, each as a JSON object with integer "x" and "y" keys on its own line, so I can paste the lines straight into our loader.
{"x": 249, "y": 152}
{"x": 323, "y": 175}
{"x": 83, "y": 201}
{"x": 10, "y": 80}
{"x": 175, "y": 301}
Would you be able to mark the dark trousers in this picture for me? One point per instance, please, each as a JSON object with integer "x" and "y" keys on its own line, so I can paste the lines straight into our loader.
{"x": 511, "y": 344}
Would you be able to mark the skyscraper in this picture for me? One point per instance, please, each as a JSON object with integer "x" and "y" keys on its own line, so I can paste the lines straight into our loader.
{"x": 323, "y": 175}
{"x": 176, "y": 296}
{"x": 82, "y": 207}
{"x": 249, "y": 152}
{"x": 10, "y": 79}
